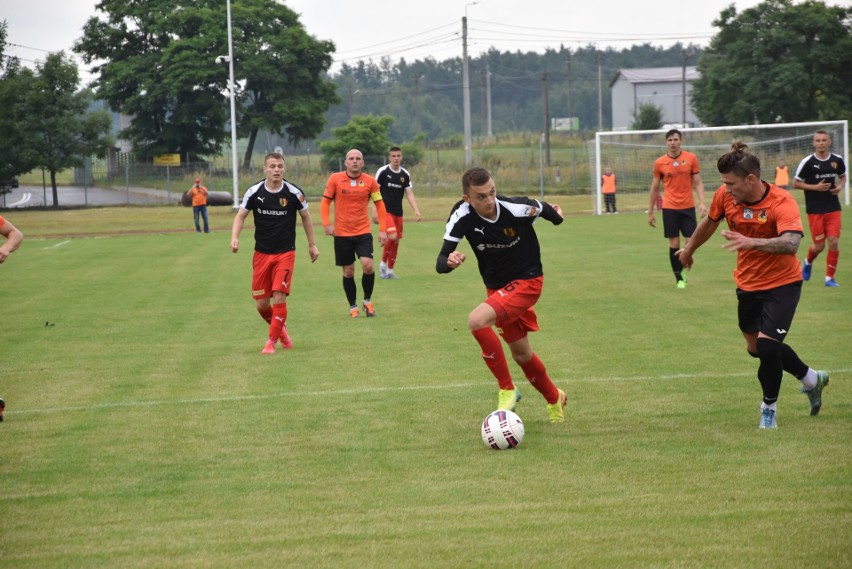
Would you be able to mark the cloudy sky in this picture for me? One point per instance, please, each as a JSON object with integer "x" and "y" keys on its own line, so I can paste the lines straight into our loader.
{"x": 415, "y": 30}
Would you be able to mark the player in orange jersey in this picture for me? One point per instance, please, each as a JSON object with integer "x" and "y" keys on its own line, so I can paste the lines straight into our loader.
{"x": 274, "y": 203}
{"x": 765, "y": 230}
{"x": 351, "y": 191}
{"x": 679, "y": 173}
{"x": 13, "y": 236}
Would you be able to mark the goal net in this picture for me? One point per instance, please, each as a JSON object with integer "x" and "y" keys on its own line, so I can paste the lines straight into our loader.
{"x": 631, "y": 154}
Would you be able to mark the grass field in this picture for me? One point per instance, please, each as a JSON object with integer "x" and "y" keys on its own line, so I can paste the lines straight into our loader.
{"x": 145, "y": 429}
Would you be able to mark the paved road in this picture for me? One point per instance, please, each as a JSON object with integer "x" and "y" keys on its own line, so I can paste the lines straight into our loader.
{"x": 75, "y": 196}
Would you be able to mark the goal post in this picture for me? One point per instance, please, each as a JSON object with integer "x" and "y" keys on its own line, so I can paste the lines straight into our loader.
{"x": 631, "y": 154}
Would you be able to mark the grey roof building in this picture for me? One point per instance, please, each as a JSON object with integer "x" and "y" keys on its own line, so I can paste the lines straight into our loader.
{"x": 660, "y": 86}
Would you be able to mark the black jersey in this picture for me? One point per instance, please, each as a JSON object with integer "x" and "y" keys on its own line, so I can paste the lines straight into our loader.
{"x": 812, "y": 170}
{"x": 274, "y": 216}
{"x": 506, "y": 248}
{"x": 393, "y": 185}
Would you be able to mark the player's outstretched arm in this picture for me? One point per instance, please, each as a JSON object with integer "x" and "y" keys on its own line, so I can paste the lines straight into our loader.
{"x": 13, "y": 236}
{"x": 552, "y": 213}
{"x": 705, "y": 230}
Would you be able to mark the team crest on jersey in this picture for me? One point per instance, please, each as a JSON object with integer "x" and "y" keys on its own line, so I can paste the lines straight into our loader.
{"x": 509, "y": 231}
{"x": 834, "y": 165}
{"x": 675, "y": 163}
{"x": 761, "y": 217}
{"x": 402, "y": 179}
{"x": 748, "y": 213}
{"x": 352, "y": 183}
{"x": 361, "y": 183}
{"x": 282, "y": 202}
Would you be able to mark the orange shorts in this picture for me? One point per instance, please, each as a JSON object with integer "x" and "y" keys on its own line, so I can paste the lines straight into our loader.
{"x": 514, "y": 307}
{"x": 271, "y": 273}
{"x": 824, "y": 225}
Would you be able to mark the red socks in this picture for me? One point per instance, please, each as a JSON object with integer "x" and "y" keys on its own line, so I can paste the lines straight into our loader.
{"x": 492, "y": 354}
{"x": 537, "y": 376}
{"x": 279, "y": 317}
{"x": 831, "y": 263}
{"x": 266, "y": 314}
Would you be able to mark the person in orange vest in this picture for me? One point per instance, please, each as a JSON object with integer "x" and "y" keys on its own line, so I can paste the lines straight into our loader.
{"x": 198, "y": 193}
{"x": 608, "y": 190}
{"x": 782, "y": 175}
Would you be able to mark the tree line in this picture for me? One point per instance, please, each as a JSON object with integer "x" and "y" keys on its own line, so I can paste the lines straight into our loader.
{"x": 161, "y": 63}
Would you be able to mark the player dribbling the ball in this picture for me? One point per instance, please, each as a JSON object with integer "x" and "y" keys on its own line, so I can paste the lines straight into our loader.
{"x": 500, "y": 232}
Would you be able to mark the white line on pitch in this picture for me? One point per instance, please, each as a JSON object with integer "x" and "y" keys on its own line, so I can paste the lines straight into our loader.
{"x": 364, "y": 391}
{"x": 57, "y": 245}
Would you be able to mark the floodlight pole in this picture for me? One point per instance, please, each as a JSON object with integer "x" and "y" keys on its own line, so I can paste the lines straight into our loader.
{"x": 232, "y": 89}
{"x": 468, "y": 139}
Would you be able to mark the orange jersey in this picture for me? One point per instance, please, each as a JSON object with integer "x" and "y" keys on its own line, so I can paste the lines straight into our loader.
{"x": 782, "y": 176}
{"x": 777, "y": 212}
{"x": 607, "y": 183}
{"x": 199, "y": 195}
{"x": 2, "y": 221}
{"x": 676, "y": 175}
{"x": 351, "y": 197}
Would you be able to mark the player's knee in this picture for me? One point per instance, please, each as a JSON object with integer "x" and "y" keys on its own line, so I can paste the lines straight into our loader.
{"x": 752, "y": 354}
{"x": 767, "y": 348}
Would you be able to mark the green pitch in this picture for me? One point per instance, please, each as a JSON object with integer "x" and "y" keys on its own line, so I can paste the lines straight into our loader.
{"x": 145, "y": 429}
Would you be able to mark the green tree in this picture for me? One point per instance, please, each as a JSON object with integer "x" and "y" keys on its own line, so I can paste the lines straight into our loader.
{"x": 60, "y": 131}
{"x": 647, "y": 117}
{"x": 15, "y": 158}
{"x": 283, "y": 67}
{"x": 369, "y": 134}
{"x": 155, "y": 61}
{"x": 777, "y": 62}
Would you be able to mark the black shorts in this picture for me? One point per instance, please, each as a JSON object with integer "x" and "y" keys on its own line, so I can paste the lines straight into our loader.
{"x": 677, "y": 221}
{"x": 769, "y": 311}
{"x": 348, "y": 249}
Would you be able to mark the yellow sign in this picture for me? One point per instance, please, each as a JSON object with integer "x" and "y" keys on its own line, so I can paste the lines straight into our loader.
{"x": 167, "y": 160}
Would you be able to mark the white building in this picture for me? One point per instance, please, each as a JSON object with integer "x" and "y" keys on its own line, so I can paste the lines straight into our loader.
{"x": 660, "y": 86}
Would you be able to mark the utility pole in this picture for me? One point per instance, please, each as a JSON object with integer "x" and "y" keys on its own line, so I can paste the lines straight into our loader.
{"x": 488, "y": 97}
{"x": 570, "y": 91}
{"x": 468, "y": 139}
{"x": 546, "y": 118}
{"x": 600, "y": 90}
{"x": 684, "y": 56}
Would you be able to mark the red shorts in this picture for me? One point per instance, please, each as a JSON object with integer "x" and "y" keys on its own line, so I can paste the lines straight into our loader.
{"x": 395, "y": 221}
{"x": 824, "y": 225}
{"x": 514, "y": 307}
{"x": 271, "y": 273}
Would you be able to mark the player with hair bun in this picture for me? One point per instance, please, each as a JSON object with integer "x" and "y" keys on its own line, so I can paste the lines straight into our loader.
{"x": 765, "y": 229}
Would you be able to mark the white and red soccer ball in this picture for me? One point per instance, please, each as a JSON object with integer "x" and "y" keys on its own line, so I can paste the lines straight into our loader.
{"x": 502, "y": 429}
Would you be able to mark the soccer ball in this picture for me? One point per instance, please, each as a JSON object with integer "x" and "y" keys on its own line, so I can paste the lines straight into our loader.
{"x": 502, "y": 429}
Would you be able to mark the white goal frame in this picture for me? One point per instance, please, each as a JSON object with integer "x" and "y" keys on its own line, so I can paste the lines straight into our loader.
{"x": 839, "y": 147}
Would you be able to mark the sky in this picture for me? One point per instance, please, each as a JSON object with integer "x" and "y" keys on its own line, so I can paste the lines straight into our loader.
{"x": 373, "y": 29}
